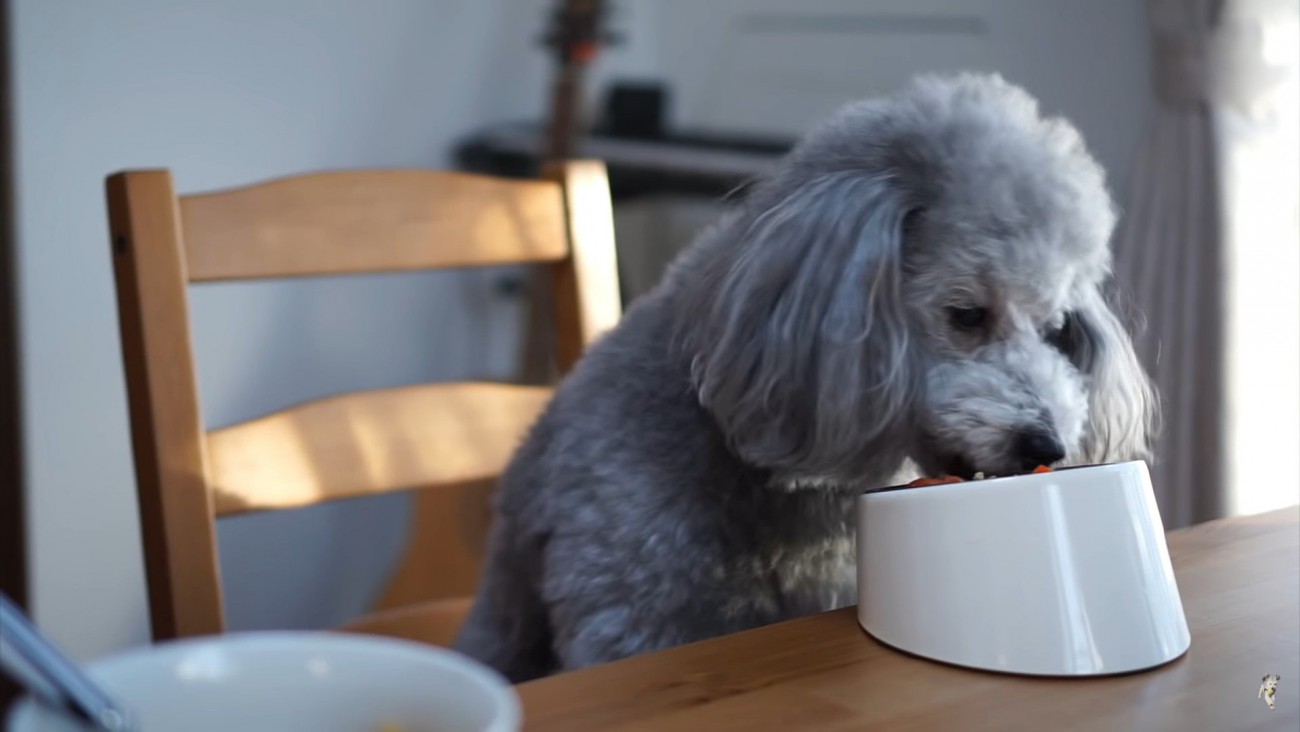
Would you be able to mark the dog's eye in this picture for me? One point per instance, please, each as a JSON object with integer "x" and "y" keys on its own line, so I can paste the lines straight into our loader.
{"x": 911, "y": 220}
{"x": 968, "y": 318}
{"x": 1075, "y": 340}
{"x": 1063, "y": 337}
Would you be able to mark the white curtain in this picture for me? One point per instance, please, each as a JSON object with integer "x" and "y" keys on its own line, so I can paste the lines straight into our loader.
{"x": 1208, "y": 255}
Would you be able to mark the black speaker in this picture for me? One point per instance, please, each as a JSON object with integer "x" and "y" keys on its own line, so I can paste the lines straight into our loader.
{"x": 635, "y": 110}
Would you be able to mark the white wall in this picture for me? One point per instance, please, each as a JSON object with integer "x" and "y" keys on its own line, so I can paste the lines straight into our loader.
{"x": 773, "y": 66}
{"x": 227, "y": 92}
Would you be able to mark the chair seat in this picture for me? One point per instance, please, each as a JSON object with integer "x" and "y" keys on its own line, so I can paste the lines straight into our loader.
{"x": 435, "y": 622}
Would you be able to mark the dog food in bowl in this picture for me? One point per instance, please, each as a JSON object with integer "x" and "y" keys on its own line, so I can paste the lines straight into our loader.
{"x": 945, "y": 479}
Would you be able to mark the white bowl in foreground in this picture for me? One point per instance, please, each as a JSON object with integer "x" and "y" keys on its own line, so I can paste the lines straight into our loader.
{"x": 323, "y": 682}
{"x": 1062, "y": 574}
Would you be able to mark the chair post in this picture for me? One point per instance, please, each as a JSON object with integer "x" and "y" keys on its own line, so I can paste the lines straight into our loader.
{"x": 176, "y": 513}
{"x": 585, "y": 284}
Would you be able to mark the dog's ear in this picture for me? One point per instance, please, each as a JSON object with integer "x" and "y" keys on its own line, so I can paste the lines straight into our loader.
{"x": 1123, "y": 409}
{"x": 798, "y": 338}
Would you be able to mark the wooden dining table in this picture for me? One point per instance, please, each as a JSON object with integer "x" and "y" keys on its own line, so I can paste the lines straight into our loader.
{"x": 1239, "y": 579}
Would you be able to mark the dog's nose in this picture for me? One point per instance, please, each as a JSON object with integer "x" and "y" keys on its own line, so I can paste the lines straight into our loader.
{"x": 1038, "y": 447}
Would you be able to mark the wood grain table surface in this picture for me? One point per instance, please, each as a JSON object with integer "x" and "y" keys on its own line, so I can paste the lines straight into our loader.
{"x": 1240, "y": 583}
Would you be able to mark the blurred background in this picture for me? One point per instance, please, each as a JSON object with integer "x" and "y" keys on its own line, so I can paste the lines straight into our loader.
{"x": 1191, "y": 107}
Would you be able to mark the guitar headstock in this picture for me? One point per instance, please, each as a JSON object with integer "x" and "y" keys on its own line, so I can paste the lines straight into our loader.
{"x": 576, "y": 31}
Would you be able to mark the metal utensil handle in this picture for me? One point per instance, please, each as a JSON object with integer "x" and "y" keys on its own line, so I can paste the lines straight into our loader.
{"x": 85, "y": 698}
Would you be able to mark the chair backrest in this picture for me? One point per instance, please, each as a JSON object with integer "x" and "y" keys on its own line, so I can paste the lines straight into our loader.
{"x": 348, "y": 445}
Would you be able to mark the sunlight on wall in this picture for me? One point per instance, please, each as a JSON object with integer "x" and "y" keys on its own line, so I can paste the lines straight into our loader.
{"x": 1262, "y": 168}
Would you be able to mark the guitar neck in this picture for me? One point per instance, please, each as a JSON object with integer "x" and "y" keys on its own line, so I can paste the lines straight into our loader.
{"x": 574, "y": 37}
{"x": 562, "y": 134}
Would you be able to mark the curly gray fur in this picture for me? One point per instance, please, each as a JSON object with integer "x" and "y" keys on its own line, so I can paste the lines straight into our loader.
{"x": 695, "y": 474}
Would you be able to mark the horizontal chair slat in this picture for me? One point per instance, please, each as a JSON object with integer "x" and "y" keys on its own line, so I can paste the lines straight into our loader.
{"x": 370, "y": 442}
{"x": 376, "y": 221}
{"x": 435, "y": 622}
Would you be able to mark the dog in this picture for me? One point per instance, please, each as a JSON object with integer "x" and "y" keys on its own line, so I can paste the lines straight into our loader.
{"x": 917, "y": 287}
{"x": 1268, "y": 688}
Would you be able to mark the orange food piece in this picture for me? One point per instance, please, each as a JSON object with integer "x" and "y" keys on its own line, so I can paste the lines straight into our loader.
{"x": 921, "y": 482}
{"x": 1042, "y": 469}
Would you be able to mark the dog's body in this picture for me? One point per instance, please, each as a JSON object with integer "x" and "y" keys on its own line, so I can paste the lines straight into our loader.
{"x": 916, "y": 287}
{"x": 612, "y": 552}
{"x": 1268, "y": 689}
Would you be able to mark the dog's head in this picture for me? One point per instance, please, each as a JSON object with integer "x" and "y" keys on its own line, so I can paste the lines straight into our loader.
{"x": 1270, "y": 682}
{"x": 922, "y": 277}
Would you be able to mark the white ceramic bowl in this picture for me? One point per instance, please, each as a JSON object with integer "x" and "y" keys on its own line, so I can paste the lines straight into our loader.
{"x": 1062, "y": 573}
{"x": 286, "y": 682}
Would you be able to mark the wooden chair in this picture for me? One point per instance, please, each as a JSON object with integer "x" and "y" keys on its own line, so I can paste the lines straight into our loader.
{"x": 442, "y": 438}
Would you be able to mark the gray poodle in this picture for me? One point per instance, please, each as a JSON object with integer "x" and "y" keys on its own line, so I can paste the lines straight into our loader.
{"x": 917, "y": 287}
